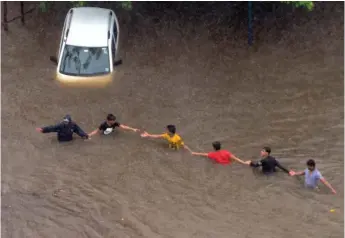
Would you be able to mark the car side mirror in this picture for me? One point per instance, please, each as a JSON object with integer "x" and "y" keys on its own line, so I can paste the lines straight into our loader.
{"x": 117, "y": 62}
{"x": 53, "y": 59}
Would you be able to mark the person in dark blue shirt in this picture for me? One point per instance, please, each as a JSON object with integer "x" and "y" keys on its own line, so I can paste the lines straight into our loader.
{"x": 268, "y": 163}
{"x": 64, "y": 130}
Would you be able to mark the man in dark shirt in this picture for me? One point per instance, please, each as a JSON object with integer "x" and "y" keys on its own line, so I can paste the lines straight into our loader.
{"x": 109, "y": 125}
{"x": 268, "y": 163}
{"x": 64, "y": 130}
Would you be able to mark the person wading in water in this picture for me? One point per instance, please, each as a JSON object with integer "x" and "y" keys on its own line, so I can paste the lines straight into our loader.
{"x": 219, "y": 156}
{"x": 174, "y": 140}
{"x": 312, "y": 176}
{"x": 64, "y": 130}
{"x": 268, "y": 163}
{"x": 108, "y": 126}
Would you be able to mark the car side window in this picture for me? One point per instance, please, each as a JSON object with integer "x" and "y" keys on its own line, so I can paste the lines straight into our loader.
{"x": 63, "y": 34}
{"x": 113, "y": 47}
{"x": 61, "y": 40}
{"x": 115, "y": 30}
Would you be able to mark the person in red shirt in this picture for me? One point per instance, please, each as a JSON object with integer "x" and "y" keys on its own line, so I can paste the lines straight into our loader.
{"x": 220, "y": 156}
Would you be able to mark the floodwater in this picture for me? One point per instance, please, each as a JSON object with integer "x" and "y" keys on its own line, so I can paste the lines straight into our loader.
{"x": 286, "y": 93}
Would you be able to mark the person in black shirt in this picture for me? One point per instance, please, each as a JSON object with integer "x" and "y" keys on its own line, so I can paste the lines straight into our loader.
{"x": 268, "y": 163}
{"x": 109, "y": 125}
{"x": 64, "y": 130}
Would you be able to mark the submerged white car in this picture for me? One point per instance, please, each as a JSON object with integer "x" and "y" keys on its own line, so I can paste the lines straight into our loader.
{"x": 88, "y": 47}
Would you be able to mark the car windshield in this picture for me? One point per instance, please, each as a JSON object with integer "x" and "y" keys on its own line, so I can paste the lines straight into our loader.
{"x": 85, "y": 61}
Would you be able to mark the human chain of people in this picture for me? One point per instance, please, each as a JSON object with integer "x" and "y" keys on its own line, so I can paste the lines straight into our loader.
{"x": 268, "y": 163}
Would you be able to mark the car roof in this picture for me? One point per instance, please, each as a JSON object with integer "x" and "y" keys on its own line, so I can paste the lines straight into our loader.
{"x": 89, "y": 27}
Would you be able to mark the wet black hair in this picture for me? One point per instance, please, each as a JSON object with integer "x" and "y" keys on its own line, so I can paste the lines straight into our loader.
{"x": 216, "y": 145}
{"x": 311, "y": 163}
{"x": 267, "y": 149}
{"x": 111, "y": 117}
{"x": 171, "y": 129}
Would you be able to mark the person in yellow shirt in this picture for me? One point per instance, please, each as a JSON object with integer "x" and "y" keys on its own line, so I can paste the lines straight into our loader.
{"x": 174, "y": 140}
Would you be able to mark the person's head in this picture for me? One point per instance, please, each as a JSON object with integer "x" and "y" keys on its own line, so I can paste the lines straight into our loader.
{"x": 266, "y": 151}
{"x": 111, "y": 119}
{"x": 171, "y": 129}
{"x": 216, "y": 145}
{"x": 311, "y": 164}
{"x": 67, "y": 119}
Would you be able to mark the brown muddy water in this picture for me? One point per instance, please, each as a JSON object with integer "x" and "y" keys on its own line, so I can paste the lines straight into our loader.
{"x": 286, "y": 92}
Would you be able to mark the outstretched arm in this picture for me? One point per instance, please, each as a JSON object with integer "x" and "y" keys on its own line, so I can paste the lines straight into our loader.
{"x": 145, "y": 134}
{"x": 282, "y": 167}
{"x": 196, "y": 153}
{"x": 298, "y": 173}
{"x": 187, "y": 148}
{"x": 94, "y": 132}
{"x": 49, "y": 129}
{"x": 128, "y": 128}
{"x": 253, "y": 164}
{"x": 199, "y": 154}
{"x": 80, "y": 132}
{"x": 324, "y": 181}
{"x": 238, "y": 160}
